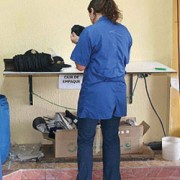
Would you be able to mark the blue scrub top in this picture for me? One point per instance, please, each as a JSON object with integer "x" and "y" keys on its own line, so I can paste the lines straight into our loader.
{"x": 104, "y": 49}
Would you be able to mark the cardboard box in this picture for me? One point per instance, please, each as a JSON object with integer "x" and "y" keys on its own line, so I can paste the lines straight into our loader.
{"x": 131, "y": 139}
{"x": 66, "y": 143}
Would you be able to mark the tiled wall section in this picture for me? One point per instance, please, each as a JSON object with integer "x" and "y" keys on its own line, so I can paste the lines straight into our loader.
{"x": 159, "y": 173}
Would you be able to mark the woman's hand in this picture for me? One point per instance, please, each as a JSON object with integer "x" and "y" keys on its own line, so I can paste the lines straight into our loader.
{"x": 74, "y": 38}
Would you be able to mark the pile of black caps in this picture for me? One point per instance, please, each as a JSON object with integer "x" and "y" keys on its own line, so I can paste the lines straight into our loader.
{"x": 33, "y": 61}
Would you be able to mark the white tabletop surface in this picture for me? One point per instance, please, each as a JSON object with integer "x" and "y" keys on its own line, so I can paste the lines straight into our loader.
{"x": 134, "y": 67}
{"x": 148, "y": 67}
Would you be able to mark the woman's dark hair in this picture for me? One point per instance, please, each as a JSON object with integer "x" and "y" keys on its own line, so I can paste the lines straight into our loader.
{"x": 107, "y": 8}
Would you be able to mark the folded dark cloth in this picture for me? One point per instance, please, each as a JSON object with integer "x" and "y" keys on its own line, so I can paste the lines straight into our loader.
{"x": 77, "y": 29}
{"x": 33, "y": 61}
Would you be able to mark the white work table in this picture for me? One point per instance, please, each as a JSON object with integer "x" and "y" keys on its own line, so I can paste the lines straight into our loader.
{"x": 149, "y": 67}
{"x": 133, "y": 68}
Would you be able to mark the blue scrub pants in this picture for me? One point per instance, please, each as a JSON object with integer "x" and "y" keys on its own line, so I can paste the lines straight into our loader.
{"x": 111, "y": 148}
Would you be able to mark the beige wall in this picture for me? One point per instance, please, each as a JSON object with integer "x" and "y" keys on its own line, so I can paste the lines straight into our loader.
{"x": 45, "y": 24}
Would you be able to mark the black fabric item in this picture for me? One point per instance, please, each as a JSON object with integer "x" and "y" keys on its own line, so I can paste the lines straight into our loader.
{"x": 73, "y": 118}
{"x": 37, "y": 121}
{"x": 77, "y": 29}
{"x": 52, "y": 132}
{"x": 33, "y": 61}
{"x": 57, "y": 65}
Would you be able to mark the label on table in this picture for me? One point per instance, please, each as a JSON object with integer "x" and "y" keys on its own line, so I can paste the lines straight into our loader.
{"x": 70, "y": 81}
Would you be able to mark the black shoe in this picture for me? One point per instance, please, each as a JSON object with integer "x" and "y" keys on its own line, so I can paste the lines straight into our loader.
{"x": 72, "y": 117}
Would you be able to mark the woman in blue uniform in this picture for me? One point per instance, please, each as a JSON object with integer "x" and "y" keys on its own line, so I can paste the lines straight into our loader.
{"x": 102, "y": 51}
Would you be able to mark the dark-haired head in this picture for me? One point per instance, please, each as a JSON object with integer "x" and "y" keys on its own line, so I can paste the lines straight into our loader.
{"x": 107, "y": 8}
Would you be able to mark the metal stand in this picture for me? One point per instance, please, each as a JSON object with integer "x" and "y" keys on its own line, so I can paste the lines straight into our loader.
{"x": 30, "y": 90}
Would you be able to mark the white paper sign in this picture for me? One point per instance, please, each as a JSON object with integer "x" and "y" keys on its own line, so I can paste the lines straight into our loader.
{"x": 175, "y": 83}
{"x": 70, "y": 81}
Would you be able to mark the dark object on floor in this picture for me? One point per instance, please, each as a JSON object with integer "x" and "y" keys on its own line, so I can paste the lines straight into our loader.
{"x": 77, "y": 29}
{"x": 157, "y": 145}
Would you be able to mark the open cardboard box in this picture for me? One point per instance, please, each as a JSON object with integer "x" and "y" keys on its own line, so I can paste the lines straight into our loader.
{"x": 131, "y": 138}
{"x": 66, "y": 143}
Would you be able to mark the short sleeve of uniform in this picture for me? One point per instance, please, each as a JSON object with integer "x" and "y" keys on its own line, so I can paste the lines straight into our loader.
{"x": 82, "y": 52}
{"x": 129, "y": 48}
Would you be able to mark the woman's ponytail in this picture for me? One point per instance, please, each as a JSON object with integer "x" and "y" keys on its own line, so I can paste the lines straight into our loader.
{"x": 108, "y": 8}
